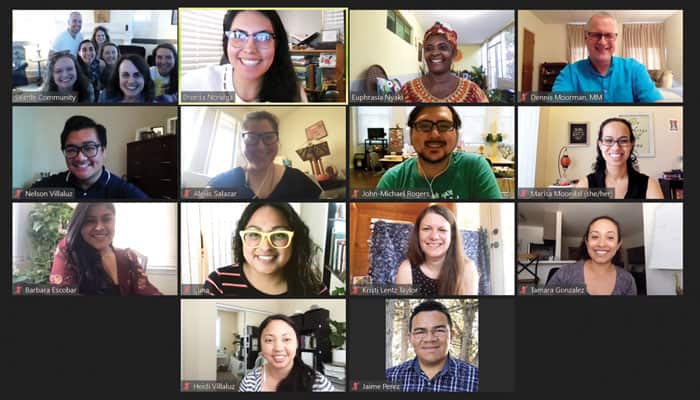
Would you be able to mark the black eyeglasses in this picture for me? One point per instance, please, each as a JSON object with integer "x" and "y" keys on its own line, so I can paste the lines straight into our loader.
{"x": 239, "y": 38}
{"x": 623, "y": 141}
{"x": 426, "y": 126}
{"x": 89, "y": 149}
{"x": 610, "y": 37}
{"x": 255, "y": 138}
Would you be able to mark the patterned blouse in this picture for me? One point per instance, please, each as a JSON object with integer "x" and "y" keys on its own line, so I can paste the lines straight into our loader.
{"x": 466, "y": 92}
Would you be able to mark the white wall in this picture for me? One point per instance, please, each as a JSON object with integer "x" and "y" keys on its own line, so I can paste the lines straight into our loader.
{"x": 301, "y": 22}
{"x": 529, "y": 234}
{"x": 197, "y": 340}
{"x": 36, "y": 136}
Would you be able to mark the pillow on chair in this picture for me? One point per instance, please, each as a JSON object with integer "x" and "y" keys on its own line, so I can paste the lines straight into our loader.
{"x": 388, "y": 86}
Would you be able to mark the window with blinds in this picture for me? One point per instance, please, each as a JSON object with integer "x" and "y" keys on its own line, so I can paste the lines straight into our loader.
{"x": 223, "y": 154}
{"x": 334, "y": 20}
{"x": 201, "y": 38}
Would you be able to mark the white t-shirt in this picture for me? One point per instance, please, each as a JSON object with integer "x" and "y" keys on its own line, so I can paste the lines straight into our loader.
{"x": 161, "y": 82}
{"x": 64, "y": 41}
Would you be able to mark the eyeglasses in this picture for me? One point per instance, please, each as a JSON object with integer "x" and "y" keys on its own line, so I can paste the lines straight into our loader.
{"x": 255, "y": 138}
{"x": 610, "y": 37}
{"x": 262, "y": 39}
{"x": 89, "y": 149}
{"x": 277, "y": 239}
{"x": 438, "y": 333}
{"x": 623, "y": 141}
{"x": 426, "y": 126}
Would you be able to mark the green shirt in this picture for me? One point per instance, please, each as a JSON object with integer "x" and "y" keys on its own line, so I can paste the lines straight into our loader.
{"x": 468, "y": 177}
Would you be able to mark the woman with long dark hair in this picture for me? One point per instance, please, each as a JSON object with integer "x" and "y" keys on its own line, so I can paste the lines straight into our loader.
{"x": 131, "y": 83}
{"x": 86, "y": 259}
{"x": 256, "y": 65}
{"x": 616, "y": 167}
{"x": 66, "y": 78}
{"x": 600, "y": 267}
{"x": 283, "y": 371}
{"x": 91, "y": 65}
{"x": 164, "y": 73}
{"x": 436, "y": 263}
{"x": 273, "y": 256}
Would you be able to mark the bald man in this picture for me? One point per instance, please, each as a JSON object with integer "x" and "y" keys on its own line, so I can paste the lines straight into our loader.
{"x": 620, "y": 80}
{"x": 70, "y": 38}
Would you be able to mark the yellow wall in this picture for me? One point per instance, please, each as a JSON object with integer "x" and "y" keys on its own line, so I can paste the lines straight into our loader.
{"x": 471, "y": 56}
{"x": 550, "y": 44}
{"x": 553, "y": 134}
{"x": 673, "y": 36}
{"x": 372, "y": 43}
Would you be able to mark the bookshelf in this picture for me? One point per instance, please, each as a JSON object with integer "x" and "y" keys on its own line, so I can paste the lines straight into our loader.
{"x": 548, "y": 74}
{"x": 321, "y": 70}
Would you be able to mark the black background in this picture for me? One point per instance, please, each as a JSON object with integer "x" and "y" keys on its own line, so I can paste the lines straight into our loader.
{"x": 130, "y": 347}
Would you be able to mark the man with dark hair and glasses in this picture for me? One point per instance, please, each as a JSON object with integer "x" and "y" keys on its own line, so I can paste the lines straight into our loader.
{"x": 433, "y": 369}
{"x": 84, "y": 145}
{"x": 446, "y": 173}
{"x": 620, "y": 80}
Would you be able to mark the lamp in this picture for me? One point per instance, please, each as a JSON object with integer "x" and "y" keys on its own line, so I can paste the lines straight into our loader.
{"x": 564, "y": 162}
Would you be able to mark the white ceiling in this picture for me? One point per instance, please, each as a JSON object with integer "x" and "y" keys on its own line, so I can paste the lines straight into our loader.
{"x": 577, "y": 216}
{"x": 622, "y": 16}
{"x": 472, "y": 26}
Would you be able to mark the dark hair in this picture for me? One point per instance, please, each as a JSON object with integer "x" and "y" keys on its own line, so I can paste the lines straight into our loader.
{"x": 300, "y": 271}
{"x": 430, "y": 305}
{"x": 599, "y": 164}
{"x": 94, "y": 34}
{"x": 262, "y": 116}
{"x": 172, "y": 83}
{"x": 452, "y": 270}
{"x": 280, "y": 81}
{"x": 81, "y": 85}
{"x": 78, "y": 122}
{"x": 418, "y": 109}
{"x": 583, "y": 248}
{"x": 105, "y": 44}
{"x": 149, "y": 89}
{"x": 83, "y": 65}
{"x": 92, "y": 278}
{"x": 301, "y": 377}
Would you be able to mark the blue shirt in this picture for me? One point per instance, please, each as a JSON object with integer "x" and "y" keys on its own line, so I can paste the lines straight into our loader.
{"x": 627, "y": 81}
{"x": 108, "y": 186}
{"x": 455, "y": 376}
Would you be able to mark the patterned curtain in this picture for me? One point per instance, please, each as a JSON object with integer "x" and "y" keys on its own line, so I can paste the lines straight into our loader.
{"x": 389, "y": 241}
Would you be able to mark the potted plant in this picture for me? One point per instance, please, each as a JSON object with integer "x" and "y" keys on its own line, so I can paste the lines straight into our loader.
{"x": 337, "y": 337}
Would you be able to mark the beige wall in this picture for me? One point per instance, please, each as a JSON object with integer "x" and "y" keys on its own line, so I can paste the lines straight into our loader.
{"x": 372, "y": 43}
{"x": 36, "y": 136}
{"x": 550, "y": 44}
{"x": 229, "y": 326}
{"x": 673, "y": 36}
{"x": 197, "y": 337}
{"x": 471, "y": 56}
{"x": 553, "y": 131}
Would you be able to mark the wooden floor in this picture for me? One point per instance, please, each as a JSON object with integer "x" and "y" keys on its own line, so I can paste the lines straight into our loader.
{"x": 363, "y": 179}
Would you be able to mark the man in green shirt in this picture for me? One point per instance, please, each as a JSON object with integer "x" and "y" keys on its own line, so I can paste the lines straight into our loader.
{"x": 445, "y": 173}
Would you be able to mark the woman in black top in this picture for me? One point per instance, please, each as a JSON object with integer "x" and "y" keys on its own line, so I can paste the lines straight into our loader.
{"x": 616, "y": 164}
{"x": 273, "y": 256}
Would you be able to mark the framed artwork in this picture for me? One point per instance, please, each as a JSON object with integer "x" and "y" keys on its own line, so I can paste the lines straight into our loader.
{"x": 316, "y": 131}
{"x": 101, "y": 16}
{"x": 643, "y": 131}
{"x": 578, "y": 134}
{"x": 673, "y": 125}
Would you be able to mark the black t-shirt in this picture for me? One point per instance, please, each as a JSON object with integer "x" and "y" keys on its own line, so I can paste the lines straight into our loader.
{"x": 294, "y": 185}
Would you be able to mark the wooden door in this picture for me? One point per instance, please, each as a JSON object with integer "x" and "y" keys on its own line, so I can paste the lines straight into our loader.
{"x": 528, "y": 60}
{"x": 361, "y": 215}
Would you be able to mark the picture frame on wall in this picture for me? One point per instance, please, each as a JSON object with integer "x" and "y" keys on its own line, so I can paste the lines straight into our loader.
{"x": 316, "y": 131}
{"x": 643, "y": 131}
{"x": 578, "y": 134}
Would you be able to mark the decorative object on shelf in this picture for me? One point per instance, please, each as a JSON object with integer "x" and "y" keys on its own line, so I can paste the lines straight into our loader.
{"x": 158, "y": 130}
{"x": 643, "y": 131}
{"x": 396, "y": 139}
{"x": 564, "y": 163}
{"x": 313, "y": 153}
{"x": 578, "y": 133}
{"x": 316, "y": 131}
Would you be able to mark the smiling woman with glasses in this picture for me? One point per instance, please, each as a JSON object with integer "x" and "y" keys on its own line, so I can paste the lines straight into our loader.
{"x": 273, "y": 256}
{"x": 256, "y": 65}
{"x": 262, "y": 178}
{"x": 616, "y": 164}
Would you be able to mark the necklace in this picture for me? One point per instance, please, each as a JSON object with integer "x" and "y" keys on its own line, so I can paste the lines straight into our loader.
{"x": 430, "y": 182}
{"x": 256, "y": 192}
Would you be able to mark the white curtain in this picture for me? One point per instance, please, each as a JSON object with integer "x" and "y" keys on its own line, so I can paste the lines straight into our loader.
{"x": 528, "y": 127}
{"x": 645, "y": 43}
{"x": 576, "y": 43}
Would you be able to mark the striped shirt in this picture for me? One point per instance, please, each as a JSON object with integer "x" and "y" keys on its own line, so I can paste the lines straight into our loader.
{"x": 455, "y": 376}
{"x": 253, "y": 380}
{"x": 231, "y": 281}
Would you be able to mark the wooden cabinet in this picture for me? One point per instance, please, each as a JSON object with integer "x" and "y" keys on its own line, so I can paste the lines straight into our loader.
{"x": 332, "y": 77}
{"x": 151, "y": 165}
{"x": 548, "y": 74}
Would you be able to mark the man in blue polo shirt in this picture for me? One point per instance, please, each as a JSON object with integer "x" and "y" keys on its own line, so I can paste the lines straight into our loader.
{"x": 620, "y": 80}
{"x": 84, "y": 144}
{"x": 433, "y": 369}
